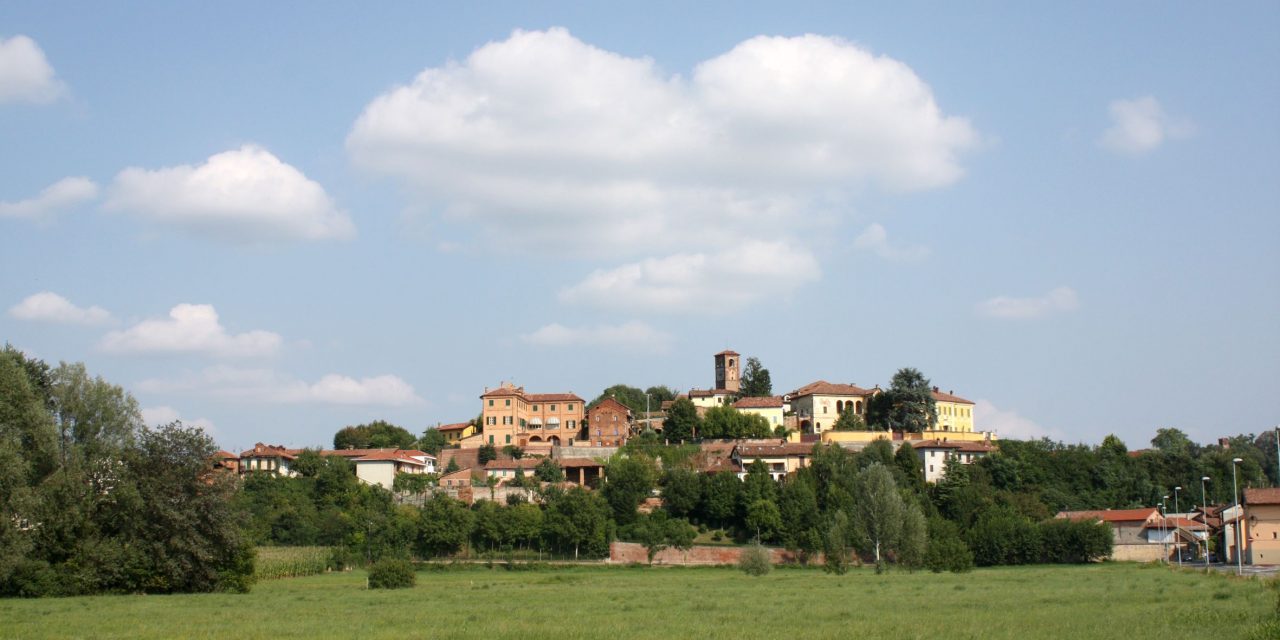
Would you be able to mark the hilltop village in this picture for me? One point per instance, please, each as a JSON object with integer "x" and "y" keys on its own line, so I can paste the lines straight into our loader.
{"x": 517, "y": 430}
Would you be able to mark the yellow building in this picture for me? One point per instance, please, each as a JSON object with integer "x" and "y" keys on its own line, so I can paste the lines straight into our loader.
{"x": 510, "y": 416}
{"x": 455, "y": 433}
{"x": 954, "y": 413}
{"x": 818, "y": 405}
{"x": 769, "y": 407}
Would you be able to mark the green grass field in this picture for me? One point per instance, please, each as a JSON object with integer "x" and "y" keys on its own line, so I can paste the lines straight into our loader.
{"x": 1096, "y": 601}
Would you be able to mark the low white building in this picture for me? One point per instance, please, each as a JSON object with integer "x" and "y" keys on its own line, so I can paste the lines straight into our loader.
{"x": 381, "y": 466}
{"x": 933, "y": 455}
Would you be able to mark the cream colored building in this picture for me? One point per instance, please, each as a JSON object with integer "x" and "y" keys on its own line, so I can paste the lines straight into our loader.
{"x": 1261, "y": 528}
{"x": 934, "y": 454}
{"x": 725, "y": 390}
{"x": 818, "y": 405}
{"x": 781, "y": 459}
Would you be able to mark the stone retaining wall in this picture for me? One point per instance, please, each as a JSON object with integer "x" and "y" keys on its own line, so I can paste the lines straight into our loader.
{"x": 629, "y": 552}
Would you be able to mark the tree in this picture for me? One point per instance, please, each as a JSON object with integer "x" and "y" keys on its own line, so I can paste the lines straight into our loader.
{"x": 798, "y": 507}
{"x": 720, "y": 498}
{"x": 1172, "y": 441}
{"x": 632, "y": 397}
{"x": 452, "y": 466}
{"x": 432, "y": 441}
{"x": 682, "y": 421}
{"x": 1001, "y": 536}
{"x": 444, "y": 528}
{"x": 755, "y": 561}
{"x": 878, "y": 517}
{"x": 487, "y": 453}
{"x": 947, "y": 550}
{"x": 907, "y": 405}
{"x": 659, "y": 394}
{"x": 94, "y": 418}
{"x": 681, "y": 491}
{"x": 629, "y": 480}
{"x": 908, "y": 471}
{"x": 548, "y": 471}
{"x": 914, "y": 540}
{"x": 763, "y": 519}
{"x": 835, "y": 544}
{"x": 849, "y": 420}
{"x": 577, "y": 518}
{"x": 378, "y": 434}
{"x": 513, "y": 452}
{"x": 755, "y": 380}
{"x": 727, "y": 422}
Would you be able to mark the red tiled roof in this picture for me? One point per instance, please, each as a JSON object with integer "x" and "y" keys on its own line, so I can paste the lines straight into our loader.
{"x": 766, "y": 402}
{"x": 824, "y": 388}
{"x": 458, "y": 475}
{"x": 707, "y": 393}
{"x": 457, "y": 426}
{"x": 774, "y": 450}
{"x": 1182, "y": 523}
{"x": 393, "y": 455}
{"x": 503, "y": 391}
{"x": 552, "y": 397}
{"x": 940, "y": 396}
{"x": 512, "y": 463}
{"x": 728, "y": 352}
{"x": 223, "y": 455}
{"x": 1112, "y": 515}
{"x": 1262, "y": 496}
{"x": 574, "y": 463}
{"x": 611, "y": 403}
{"x": 958, "y": 445}
{"x": 260, "y": 450}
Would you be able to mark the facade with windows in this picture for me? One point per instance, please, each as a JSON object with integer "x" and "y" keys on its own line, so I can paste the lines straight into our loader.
{"x": 954, "y": 413}
{"x": 510, "y": 416}
{"x": 608, "y": 424}
{"x": 818, "y": 405}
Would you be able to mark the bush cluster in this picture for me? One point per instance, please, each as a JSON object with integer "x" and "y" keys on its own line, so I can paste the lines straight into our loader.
{"x": 755, "y": 561}
{"x": 391, "y": 573}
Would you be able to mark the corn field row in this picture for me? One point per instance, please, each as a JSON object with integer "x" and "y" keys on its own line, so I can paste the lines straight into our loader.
{"x": 291, "y": 562}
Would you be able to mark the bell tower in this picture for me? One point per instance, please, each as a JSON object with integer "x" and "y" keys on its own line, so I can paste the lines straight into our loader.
{"x": 727, "y": 371}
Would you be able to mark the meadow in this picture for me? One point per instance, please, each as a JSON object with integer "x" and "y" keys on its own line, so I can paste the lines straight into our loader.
{"x": 1091, "y": 601}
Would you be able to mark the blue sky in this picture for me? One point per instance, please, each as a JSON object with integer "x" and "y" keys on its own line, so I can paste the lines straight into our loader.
{"x": 279, "y": 220}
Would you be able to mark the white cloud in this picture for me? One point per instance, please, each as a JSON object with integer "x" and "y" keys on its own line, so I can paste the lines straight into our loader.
{"x": 543, "y": 141}
{"x": 1058, "y": 300}
{"x": 876, "y": 240}
{"x": 1008, "y": 424}
{"x": 58, "y": 196}
{"x": 243, "y": 195}
{"x": 25, "y": 74}
{"x": 267, "y": 386}
{"x": 47, "y": 306}
{"x": 162, "y": 415}
{"x": 190, "y": 328}
{"x": 699, "y": 282}
{"x": 630, "y": 336}
{"x": 1141, "y": 125}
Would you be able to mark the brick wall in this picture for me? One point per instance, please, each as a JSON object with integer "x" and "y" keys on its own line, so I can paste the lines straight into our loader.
{"x": 628, "y": 552}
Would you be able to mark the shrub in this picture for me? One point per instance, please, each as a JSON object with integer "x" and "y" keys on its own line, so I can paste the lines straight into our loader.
{"x": 947, "y": 551}
{"x": 755, "y": 561}
{"x": 391, "y": 574}
{"x": 1066, "y": 542}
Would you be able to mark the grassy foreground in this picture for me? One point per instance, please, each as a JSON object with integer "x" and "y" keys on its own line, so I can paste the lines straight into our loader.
{"x": 1096, "y": 601}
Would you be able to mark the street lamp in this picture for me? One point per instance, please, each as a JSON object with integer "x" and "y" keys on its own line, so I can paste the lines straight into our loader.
{"x": 1204, "y": 504}
{"x": 1176, "y": 511}
{"x": 1235, "y": 492}
{"x": 1164, "y": 531}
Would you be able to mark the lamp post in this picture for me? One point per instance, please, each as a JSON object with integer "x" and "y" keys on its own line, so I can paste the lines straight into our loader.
{"x": 1164, "y": 532}
{"x": 1278, "y": 455}
{"x": 1235, "y": 493}
{"x": 1176, "y": 511}
{"x": 1204, "y": 504}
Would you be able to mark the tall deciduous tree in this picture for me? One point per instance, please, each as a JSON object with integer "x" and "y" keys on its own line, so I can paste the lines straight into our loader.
{"x": 445, "y": 526}
{"x": 630, "y": 396}
{"x": 628, "y": 481}
{"x": 378, "y": 434}
{"x": 878, "y": 516}
{"x": 755, "y": 380}
{"x": 432, "y": 441}
{"x": 682, "y": 421}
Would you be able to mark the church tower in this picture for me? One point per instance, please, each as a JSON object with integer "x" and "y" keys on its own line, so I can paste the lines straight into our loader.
{"x": 727, "y": 371}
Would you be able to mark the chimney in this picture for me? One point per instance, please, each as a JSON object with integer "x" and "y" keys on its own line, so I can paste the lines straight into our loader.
{"x": 951, "y": 392}
{"x": 935, "y": 389}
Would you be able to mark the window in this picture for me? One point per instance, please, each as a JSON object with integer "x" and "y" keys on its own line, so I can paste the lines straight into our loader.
{"x": 491, "y": 402}
{"x": 615, "y": 417}
{"x": 534, "y": 407}
{"x": 930, "y": 468}
{"x": 553, "y": 407}
{"x": 490, "y": 439}
{"x": 508, "y": 439}
{"x": 569, "y": 407}
{"x": 824, "y": 409}
{"x": 508, "y": 401}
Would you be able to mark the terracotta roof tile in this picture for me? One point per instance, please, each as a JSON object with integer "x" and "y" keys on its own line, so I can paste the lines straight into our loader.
{"x": 457, "y": 426}
{"x": 728, "y": 352}
{"x": 1112, "y": 515}
{"x": 957, "y": 445}
{"x": 766, "y": 402}
{"x": 1262, "y": 496}
{"x": 940, "y": 396}
{"x": 824, "y": 388}
{"x": 775, "y": 450}
{"x": 511, "y": 463}
{"x": 552, "y": 397}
